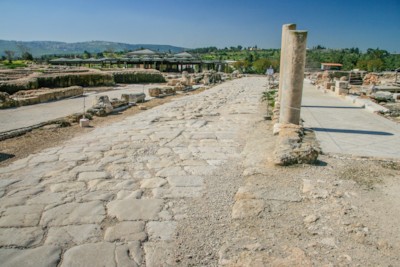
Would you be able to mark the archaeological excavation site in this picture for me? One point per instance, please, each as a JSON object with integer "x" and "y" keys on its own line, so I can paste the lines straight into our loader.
{"x": 210, "y": 157}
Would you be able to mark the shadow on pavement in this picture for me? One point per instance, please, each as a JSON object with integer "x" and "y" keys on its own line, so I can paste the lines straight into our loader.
{"x": 5, "y": 156}
{"x": 346, "y": 107}
{"x": 317, "y": 129}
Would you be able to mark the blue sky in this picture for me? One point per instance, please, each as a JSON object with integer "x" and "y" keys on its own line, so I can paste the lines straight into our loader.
{"x": 199, "y": 23}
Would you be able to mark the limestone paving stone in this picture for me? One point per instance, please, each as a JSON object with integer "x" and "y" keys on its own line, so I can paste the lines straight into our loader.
{"x": 6, "y": 182}
{"x": 25, "y": 191}
{"x": 74, "y": 213}
{"x": 142, "y": 174}
{"x": 21, "y": 237}
{"x": 164, "y": 230}
{"x": 72, "y": 157}
{"x": 6, "y": 201}
{"x": 169, "y": 171}
{"x": 159, "y": 254}
{"x": 177, "y": 192}
{"x": 75, "y": 234}
{"x": 112, "y": 185}
{"x": 126, "y": 194}
{"x": 129, "y": 255}
{"x": 152, "y": 183}
{"x": 200, "y": 170}
{"x": 135, "y": 209}
{"x": 246, "y": 208}
{"x": 44, "y": 256}
{"x": 43, "y": 159}
{"x": 186, "y": 181}
{"x": 289, "y": 194}
{"x": 95, "y": 254}
{"x": 47, "y": 198}
{"x": 21, "y": 216}
{"x": 67, "y": 187}
{"x": 88, "y": 176}
{"x": 85, "y": 196}
{"x": 125, "y": 231}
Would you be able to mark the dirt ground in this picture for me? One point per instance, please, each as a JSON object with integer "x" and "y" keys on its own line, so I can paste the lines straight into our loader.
{"x": 341, "y": 211}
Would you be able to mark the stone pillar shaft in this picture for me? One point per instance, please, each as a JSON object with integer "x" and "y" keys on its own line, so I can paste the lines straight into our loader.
{"x": 285, "y": 29}
{"x": 293, "y": 76}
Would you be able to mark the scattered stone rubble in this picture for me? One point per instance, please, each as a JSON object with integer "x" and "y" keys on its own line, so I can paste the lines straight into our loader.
{"x": 101, "y": 106}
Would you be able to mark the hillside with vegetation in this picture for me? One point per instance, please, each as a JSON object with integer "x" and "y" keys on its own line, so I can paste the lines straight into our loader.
{"x": 245, "y": 59}
{"x": 40, "y": 48}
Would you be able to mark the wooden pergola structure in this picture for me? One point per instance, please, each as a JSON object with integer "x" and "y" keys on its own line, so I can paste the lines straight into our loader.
{"x": 148, "y": 59}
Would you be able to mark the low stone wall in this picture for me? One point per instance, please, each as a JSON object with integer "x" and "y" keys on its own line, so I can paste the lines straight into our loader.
{"x": 25, "y": 98}
{"x": 90, "y": 78}
{"x": 138, "y": 77}
{"x": 14, "y": 86}
{"x": 75, "y": 79}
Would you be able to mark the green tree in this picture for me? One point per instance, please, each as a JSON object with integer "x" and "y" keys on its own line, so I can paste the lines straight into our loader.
{"x": 27, "y": 56}
{"x": 10, "y": 55}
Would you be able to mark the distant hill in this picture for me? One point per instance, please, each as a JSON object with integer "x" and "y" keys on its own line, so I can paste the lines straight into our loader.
{"x": 39, "y": 48}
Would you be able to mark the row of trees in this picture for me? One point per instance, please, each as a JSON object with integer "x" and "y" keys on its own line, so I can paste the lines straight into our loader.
{"x": 254, "y": 60}
{"x": 351, "y": 58}
{"x": 257, "y": 61}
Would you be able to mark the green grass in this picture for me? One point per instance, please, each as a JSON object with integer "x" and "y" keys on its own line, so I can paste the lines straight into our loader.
{"x": 14, "y": 64}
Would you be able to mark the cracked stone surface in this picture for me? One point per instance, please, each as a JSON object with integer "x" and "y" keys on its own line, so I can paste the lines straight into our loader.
{"x": 116, "y": 196}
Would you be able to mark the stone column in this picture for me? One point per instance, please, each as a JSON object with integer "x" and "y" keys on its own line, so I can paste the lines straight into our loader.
{"x": 293, "y": 77}
{"x": 283, "y": 59}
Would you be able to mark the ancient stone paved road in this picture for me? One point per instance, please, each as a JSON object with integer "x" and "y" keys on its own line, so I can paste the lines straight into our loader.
{"x": 108, "y": 198}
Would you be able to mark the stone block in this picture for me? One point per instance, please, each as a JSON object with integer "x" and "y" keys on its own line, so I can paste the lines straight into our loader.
{"x": 84, "y": 123}
{"x": 135, "y": 209}
{"x": 97, "y": 254}
{"x": 126, "y": 231}
{"x": 44, "y": 256}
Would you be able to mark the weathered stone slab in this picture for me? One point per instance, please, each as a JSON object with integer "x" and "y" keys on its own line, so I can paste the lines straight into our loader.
{"x": 112, "y": 185}
{"x": 159, "y": 254}
{"x": 186, "y": 181}
{"x": 6, "y": 182}
{"x": 246, "y": 208}
{"x": 73, "y": 157}
{"x": 126, "y": 231}
{"x": 21, "y": 216}
{"x": 161, "y": 230}
{"x": 200, "y": 170}
{"x": 203, "y": 135}
{"x": 290, "y": 194}
{"x": 171, "y": 171}
{"x": 74, "y": 213}
{"x": 7, "y": 201}
{"x": 129, "y": 255}
{"x": 135, "y": 209}
{"x": 21, "y": 237}
{"x": 75, "y": 234}
{"x": 177, "y": 192}
{"x": 45, "y": 256}
{"x": 152, "y": 183}
{"x": 43, "y": 159}
{"x": 46, "y": 198}
{"x": 95, "y": 254}
{"x": 67, "y": 187}
{"x": 125, "y": 194}
{"x": 96, "y": 195}
{"x": 88, "y": 176}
